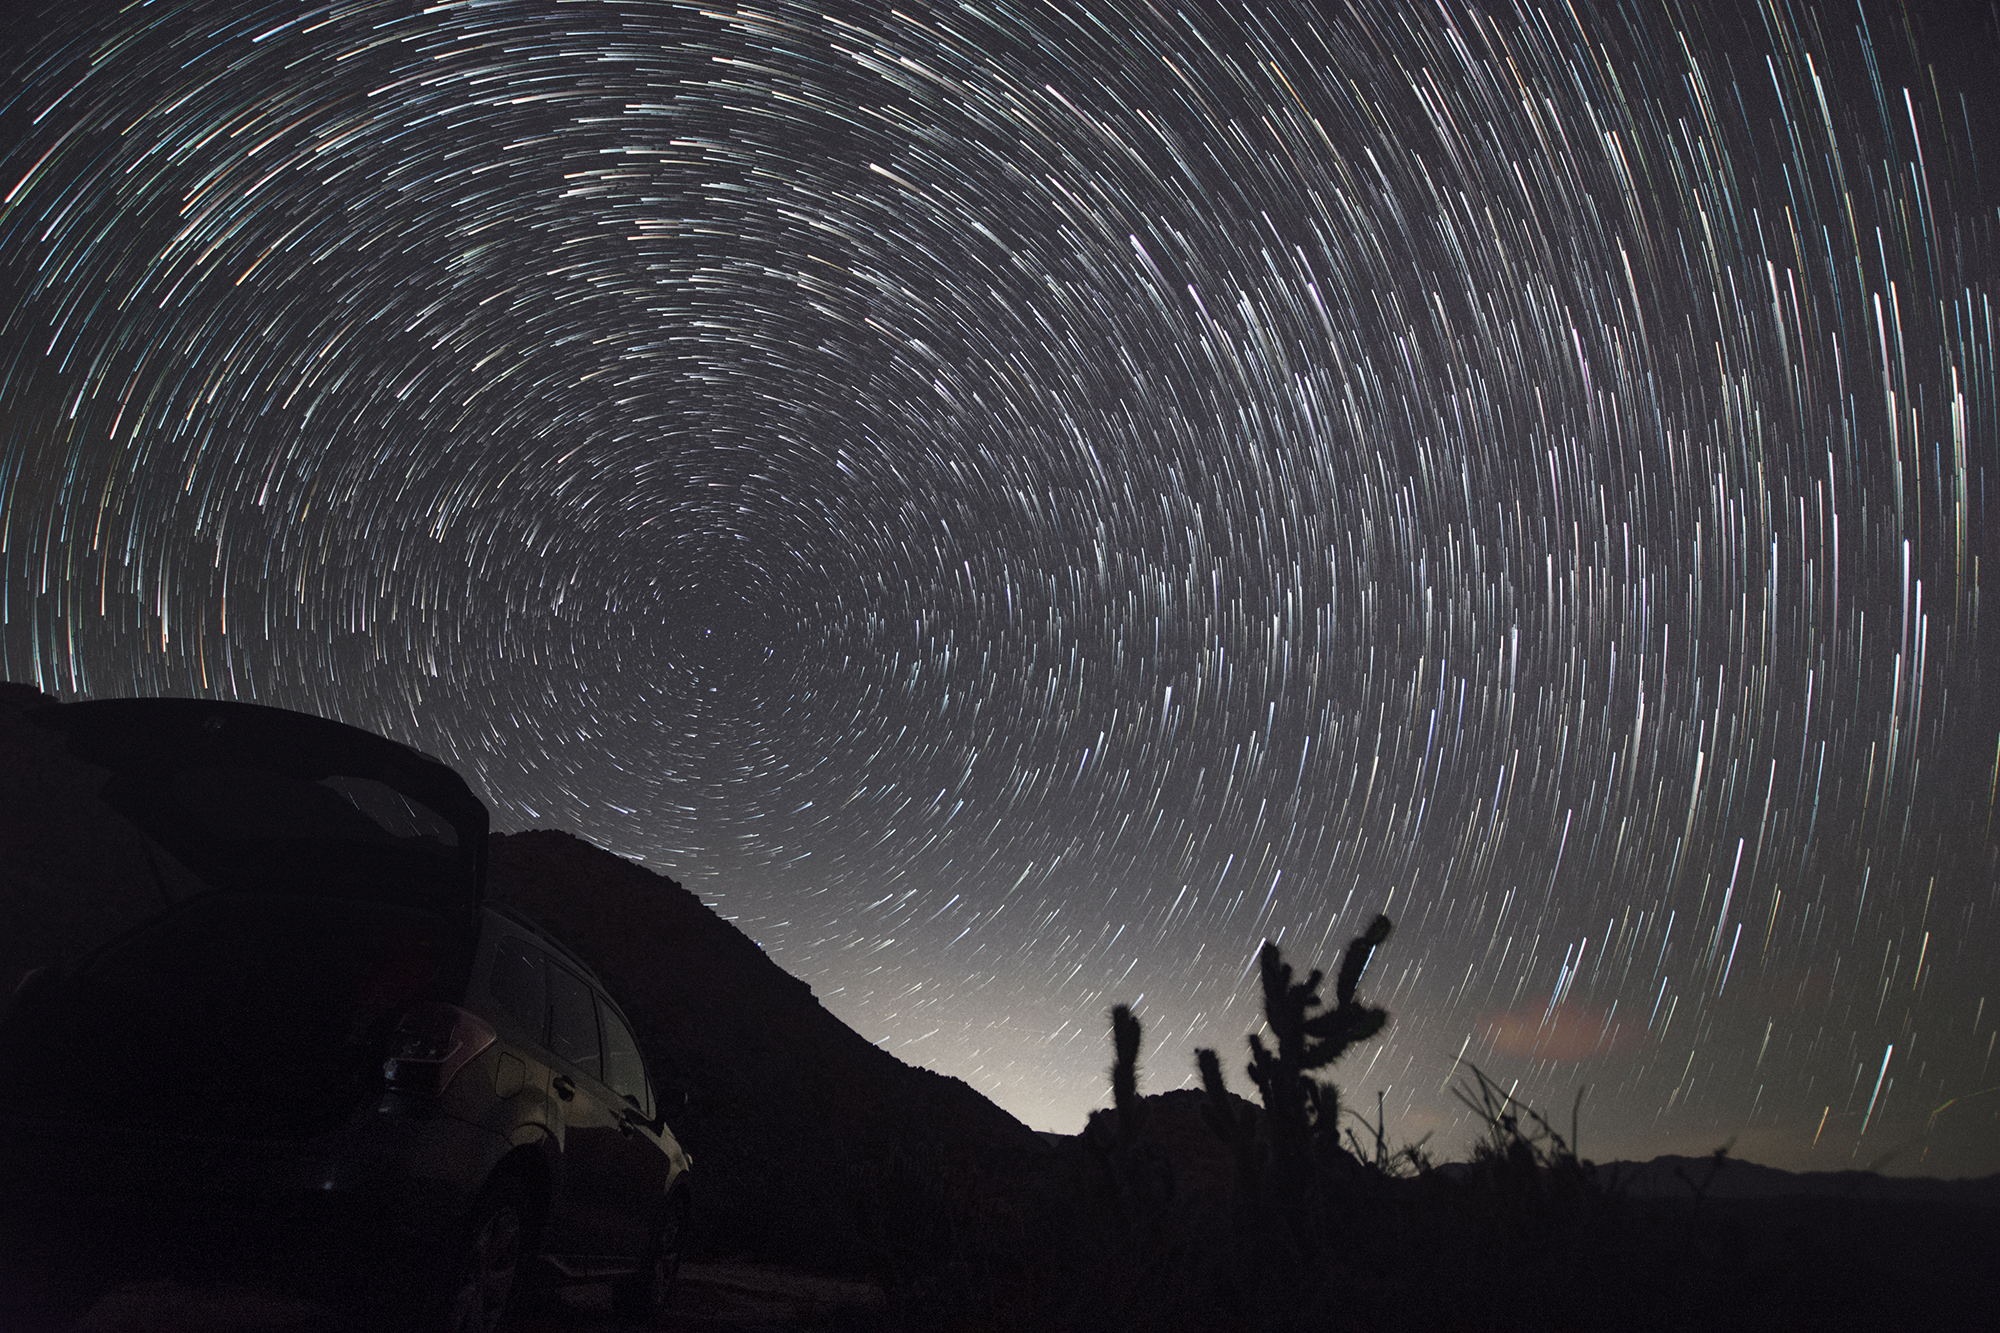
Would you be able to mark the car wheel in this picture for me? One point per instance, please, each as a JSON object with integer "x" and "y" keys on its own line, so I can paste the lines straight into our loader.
{"x": 643, "y": 1294}
{"x": 490, "y": 1257}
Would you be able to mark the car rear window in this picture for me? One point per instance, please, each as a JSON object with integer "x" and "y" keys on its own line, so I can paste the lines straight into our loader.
{"x": 249, "y": 803}
{"x": 250, "y": 828}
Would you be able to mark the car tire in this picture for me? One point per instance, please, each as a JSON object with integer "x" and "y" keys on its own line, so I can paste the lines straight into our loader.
{"x": 644, "y": 1294}
{"x": 488, "y": 1263}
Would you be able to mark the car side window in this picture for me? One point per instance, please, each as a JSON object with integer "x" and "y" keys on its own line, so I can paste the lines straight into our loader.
{"x": 624, "y": 1071}
{"x": 573, "y": 1020}
{"x": 516, "y": 984}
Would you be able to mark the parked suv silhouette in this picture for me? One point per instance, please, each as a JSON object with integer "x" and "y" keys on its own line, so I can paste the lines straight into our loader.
{"x": 328, "y": 1028}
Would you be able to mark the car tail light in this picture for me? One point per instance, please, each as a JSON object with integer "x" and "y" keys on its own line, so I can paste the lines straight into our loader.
{"x": 431, "y": 1044}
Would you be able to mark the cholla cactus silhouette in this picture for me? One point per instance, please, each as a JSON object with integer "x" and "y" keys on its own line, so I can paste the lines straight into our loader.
{"x": 1308, "y": 1041}
{"x": 1131, "y": 1112}
{"x": 1301, "y": 1114}
{"x": 1235, "y": 1123}
{"x": 1141, "y": 1181}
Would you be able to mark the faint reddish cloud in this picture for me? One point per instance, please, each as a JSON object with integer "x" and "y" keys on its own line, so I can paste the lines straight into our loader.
{"x": 1570, "y": 1031}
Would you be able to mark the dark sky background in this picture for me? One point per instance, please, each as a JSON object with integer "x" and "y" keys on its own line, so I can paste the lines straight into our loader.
{"x": 1017, "y": 503}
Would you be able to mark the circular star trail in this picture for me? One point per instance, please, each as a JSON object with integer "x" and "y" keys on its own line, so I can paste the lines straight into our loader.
{"x": 1018, "y": 503}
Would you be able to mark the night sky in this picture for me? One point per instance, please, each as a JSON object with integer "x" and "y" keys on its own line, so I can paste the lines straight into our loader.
{"x": 1016, "y": 503}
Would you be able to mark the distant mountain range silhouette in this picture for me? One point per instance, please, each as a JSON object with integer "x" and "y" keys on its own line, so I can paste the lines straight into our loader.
{"x": 1677, "y": 1176}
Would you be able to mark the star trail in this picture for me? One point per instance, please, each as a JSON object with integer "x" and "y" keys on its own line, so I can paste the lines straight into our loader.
{"x": 1016, "y": 503}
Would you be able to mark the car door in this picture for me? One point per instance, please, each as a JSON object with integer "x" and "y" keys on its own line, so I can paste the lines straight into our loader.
{"x": 590, "y": 1127}
{"x": 638, "y": 1167}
